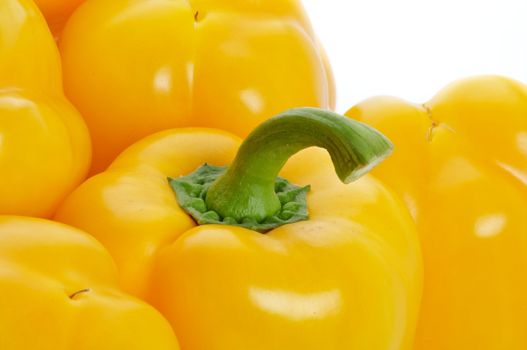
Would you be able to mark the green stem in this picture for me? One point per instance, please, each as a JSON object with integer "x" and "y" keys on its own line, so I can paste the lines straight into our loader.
{"x": 247, "y": 189}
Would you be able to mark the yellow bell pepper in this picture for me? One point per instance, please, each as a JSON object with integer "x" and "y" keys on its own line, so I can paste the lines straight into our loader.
{"x": 44, "y": 143}
{"x": 58, "y": 291}
{"x": 348, "y": 277}
{"x": 461, "y": 167}
{"x": 138, "y": 67}
{"x": 57, "y": 12}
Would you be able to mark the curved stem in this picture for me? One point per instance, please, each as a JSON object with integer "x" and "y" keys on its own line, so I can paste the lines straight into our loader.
{"x": 246, "y": 189}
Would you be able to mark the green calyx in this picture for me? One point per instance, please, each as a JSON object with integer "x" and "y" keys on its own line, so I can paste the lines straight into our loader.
{"x": 191, "y": 191}
{"x": 249, "y": 192}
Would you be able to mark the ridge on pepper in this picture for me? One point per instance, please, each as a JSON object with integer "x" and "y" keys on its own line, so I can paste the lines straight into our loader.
{"x": 44, "y": 143}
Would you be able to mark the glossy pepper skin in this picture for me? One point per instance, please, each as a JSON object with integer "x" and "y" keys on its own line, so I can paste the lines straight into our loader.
{"x": 58, "y": 291}
{"x": 138, "y": 67}
{"x": 461, "y": 166}
{"x": 347, "y": 278}
{"x": 44, "y": 143}
{"x": 57, "y": 12}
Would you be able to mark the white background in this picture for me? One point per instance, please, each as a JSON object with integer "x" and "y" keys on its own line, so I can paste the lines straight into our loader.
{"x": 412, "y": 48}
